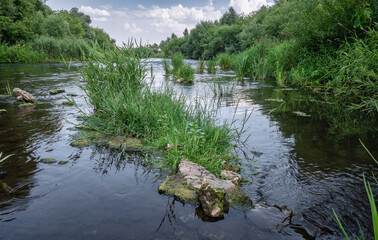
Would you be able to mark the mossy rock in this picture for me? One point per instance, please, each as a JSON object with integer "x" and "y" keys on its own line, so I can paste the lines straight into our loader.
{"x": 238, "y": 199}
{"x": 62, "y": 162}
{"x": 127, "y": 144}
{"x": 3, "y": 111}
{"x": 230, "y": 167}
{"x": 26, "y": 105}
{"x": 48, "y": 160}
{"x": 80, "y": 143}
{"x": 177, "y": 187}
{"x": 54, "y": 92}
{"x": 100, "y": 139}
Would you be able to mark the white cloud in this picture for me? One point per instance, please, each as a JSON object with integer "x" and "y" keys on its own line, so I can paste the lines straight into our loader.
{"x": 248, "y": 6}
{"x": 177, "y": 18}
{"x": 132, "y": 28}
{"x": 94, "y": 11}
{"x": 100, "y": 19}
{"x": 140, "y": 6}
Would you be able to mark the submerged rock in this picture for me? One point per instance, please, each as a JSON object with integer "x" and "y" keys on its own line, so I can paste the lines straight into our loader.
{"x": 54, "y": 92}
{"x": 48, "y": 160}
{"x": 62, "y": 162}
{"x": 190, "y": 178}
{"x": 80, "y": 143}
{"x": 127, "y": 144}
{"x": 23, "y": 96}
{"x": 3, "y": 111}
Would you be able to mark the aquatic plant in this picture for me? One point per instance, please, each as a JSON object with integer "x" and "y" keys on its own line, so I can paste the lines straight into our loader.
{"x": 219, "y": 89}
{"x": 224, "y": 60}
{"x": 167, "y": 66}
{"x": 8, "y": 88}
{"x": 128, "y": 105}
{"x": 210, "y": 65}
{"x": 201, "y": 66}
{"x": 186, "y": 72}
{"x": 177, "y": 62}
{"x": 373, "y": 208}
{"x": 4, "y": 158}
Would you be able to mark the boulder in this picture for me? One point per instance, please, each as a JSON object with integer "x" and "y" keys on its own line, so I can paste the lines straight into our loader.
{"x": 23, "y": 96}
{"x": 192, "y": 176}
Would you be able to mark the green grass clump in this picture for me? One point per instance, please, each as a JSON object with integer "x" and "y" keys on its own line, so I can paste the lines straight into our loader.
{"x": 167, "y": 66}
{"x": 210, "y": 65}
{"x": 201, "y": 66}
{"x": 126, "y": 105}
{"x": 240, "y": 64}
{"x": 177, "y": 62}
{"x": 186, "y": 72}
{"x": 20, "y": 53}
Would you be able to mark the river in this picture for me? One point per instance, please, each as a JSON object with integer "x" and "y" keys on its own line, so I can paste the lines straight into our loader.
{"x": 300, "y": 151}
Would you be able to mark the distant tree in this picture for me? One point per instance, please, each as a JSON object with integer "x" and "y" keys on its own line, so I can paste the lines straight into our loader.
{"x": 229, "y": 17}
{"x": 56, "y": 26}
{"x": 186, "y": 32}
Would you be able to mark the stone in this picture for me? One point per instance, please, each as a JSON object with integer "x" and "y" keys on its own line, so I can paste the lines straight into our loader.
{"x": 177, "y": 187}
{"x": 211, "y": 200}
{"x": 80, "y": 143}
{"x": 191, "y": 176}
{"x": 127, "y": 144}
{"x": 117, "y": 142}
{"x": 229, "y": 167}
{"x": 232, "y": 176}
{"x": 62, "y": 162}
{"x": 67, "y": 103}
{"x": 3, "y": 111}
{"x": 55, "y": 92}
{"x": 48, "y": 160}
{"x": 180, "y": 80}
{"x": 23, "y": 96}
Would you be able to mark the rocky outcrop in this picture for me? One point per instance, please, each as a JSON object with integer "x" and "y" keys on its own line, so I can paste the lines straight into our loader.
{"x": 23, "y": 96}
{"x": 203, "y": 187}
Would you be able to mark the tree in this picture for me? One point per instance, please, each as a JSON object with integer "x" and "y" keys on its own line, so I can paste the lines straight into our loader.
{"x": 229, "y": 17}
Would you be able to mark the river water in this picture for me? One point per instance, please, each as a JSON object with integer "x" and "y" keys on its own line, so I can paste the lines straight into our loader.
{"x": 300, "y": 151}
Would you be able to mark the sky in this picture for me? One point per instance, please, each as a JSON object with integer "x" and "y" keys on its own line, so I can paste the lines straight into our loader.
{"x": 151, "y": 21}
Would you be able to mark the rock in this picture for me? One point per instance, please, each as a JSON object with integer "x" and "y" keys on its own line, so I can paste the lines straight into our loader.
{"x": 67, "y": 103}
{"x": 3, "y": 111}
{"x": 80, "y": 143}
{"x": 177, "y": 187}
{"x": 232, "y": 176}
{"x": 230, "y": 167}
{"x": 48, "y": 160}
{"x": 54, "y": 92}
{"x": 23, "y": 95}
{"x": 62, "y": 162}
{"x": 117, "y": 142}
{"x": 212, "y": 200}
{"x": 180, "y": 80}
{"x": 191, "y": 176}
{"x": 26, "y": 105}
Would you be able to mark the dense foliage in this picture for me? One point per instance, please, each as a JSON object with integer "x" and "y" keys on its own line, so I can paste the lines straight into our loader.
{"x": 330, "y": 45}
{"x": 31, "y": 32}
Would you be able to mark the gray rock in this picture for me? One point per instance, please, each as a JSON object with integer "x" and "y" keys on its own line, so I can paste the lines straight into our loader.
{"x": 23, "y": 96}
{"x": 232, "y": 176}
{"x": 48, "y": 160}
{"x": 212, "y": 200}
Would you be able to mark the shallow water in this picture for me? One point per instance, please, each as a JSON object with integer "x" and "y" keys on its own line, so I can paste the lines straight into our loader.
{"x": 310, "y": 163}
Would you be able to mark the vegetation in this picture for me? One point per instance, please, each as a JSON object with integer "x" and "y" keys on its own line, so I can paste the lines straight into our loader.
{"x": 31, "y": 32}
{"x": 4, "y": 158}
{"x": 327, "y": 44}
{"x": 179, "y": 69}
{"x": 210, "y": 65}
{"x": 201, "y": 66}
{"x": 126, "y": 105}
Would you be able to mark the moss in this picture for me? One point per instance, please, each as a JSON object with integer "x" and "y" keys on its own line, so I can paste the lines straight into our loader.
{"x": 80, "y": 143}
{"x": 48, "y": 160}
{"x": 238, "y": 199}
{"x": 177, "y": 187}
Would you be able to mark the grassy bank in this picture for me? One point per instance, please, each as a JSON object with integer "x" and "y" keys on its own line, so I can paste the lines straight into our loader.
{"x": 126, "y": 105}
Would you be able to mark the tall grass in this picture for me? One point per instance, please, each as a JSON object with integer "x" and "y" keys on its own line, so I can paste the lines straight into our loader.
{"x": 167, "y": 66}
{"x": 201, "y": 66}
{"x": 180, "y": 69}
{"x": 221, "y": 90}
{"x": 20, "y": 53}
{"x": 224, "y": 60}
{"x": 177, "y": 62}
{"x": 210, "y": 65}
{"x": 126, "y": 104}
{"x": 240, "y": 64}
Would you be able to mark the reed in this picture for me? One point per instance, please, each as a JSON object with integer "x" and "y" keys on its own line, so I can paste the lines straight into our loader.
{"x": 210, "y": 65}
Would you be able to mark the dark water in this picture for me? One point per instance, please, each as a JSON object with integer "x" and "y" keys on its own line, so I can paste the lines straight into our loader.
{"x": 311, "y": 164}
